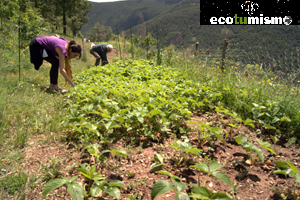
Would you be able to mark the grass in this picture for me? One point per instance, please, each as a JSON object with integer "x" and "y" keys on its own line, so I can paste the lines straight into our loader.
{"x": 27, "y": 108}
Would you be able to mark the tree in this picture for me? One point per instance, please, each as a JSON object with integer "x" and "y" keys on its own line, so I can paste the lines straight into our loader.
{"x": 8, "y": 9}
{"x": 73, "y": 12}
{"x": 96, "y": 34}
{"x": 149, "y": 40}
{"x": 78, "y": 20}
{"x": 108, "y": 33}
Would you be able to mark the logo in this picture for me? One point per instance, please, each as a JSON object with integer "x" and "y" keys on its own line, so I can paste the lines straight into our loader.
{"x": 250, "y": 7}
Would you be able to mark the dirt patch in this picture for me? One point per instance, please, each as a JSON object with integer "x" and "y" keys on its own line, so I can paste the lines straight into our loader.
{"x": 252, "y": 181}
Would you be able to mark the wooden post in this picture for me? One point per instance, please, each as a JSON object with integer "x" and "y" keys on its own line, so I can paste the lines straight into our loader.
{"x": 19, "y": 51}
{"x": 131, "y": 43}
{"x": 223, "y": 53}
{"x": 196, "y": 50}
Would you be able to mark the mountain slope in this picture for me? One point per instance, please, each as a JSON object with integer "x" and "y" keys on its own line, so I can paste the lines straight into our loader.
{"x": 124, "y": 14}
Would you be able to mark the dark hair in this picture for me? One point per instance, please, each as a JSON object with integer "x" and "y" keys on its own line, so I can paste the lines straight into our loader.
{"x": 76, "y": 48}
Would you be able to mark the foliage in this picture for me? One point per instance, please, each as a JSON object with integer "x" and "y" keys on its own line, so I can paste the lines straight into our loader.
{"x": 249, "y": 147}
{"x": 13, "y": 184}
{"x": 163, "y": 186}
{"x": 106, "y": 101}
{"x": 212, "y": 170}
{"x": 76, "y": 189}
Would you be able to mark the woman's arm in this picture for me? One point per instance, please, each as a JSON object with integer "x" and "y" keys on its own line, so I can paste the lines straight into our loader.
{"x": 62, "y": 70}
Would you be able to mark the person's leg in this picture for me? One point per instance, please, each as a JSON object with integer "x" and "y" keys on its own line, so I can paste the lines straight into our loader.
{"x": 53, "y": 72}
{"x": 96, "y": 55}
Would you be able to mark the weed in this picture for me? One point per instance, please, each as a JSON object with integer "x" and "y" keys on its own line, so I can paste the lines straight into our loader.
{"x": 51, "y": 169}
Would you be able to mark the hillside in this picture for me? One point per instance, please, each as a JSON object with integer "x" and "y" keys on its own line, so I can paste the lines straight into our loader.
{"x": 174, "y": 18}
{"x": 178, "y": 23}
{"x": 125, "y": 13}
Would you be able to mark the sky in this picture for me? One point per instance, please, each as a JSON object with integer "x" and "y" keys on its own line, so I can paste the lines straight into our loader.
{"x": 104, "y": 1}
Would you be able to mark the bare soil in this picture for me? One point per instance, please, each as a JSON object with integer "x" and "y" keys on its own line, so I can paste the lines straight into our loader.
{"x": 258, "y": 183}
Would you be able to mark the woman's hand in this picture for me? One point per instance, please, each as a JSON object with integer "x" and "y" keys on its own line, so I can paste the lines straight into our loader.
{"x": 62, "y": 70}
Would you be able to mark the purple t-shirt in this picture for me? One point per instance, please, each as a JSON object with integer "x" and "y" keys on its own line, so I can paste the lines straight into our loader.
{"x": 49, "y": 43}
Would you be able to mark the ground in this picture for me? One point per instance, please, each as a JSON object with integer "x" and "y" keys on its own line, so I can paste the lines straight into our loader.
{"x": 253, "y": 181}
{"x": 258, "y": 183}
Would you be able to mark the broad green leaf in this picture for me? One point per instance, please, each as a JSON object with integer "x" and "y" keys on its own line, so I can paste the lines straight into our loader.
{"x": 249, "y": 123}
{"x": 181, "y": 196}
{"x": 74, "y": 112}
{"x": 101, "y": 183}
{"x": 158, "y": 158}
{"x": 238, "y": 140}
{"x": 217, "y": 135}
{"x": 201, "y": 192}
{"x": 291, "y": 141}
{"x": 169, "y": 174}
{"x": 161, "y": 187}
{"x": 156, "y": 167}
{"x": 95, "y": 190}
{"x": 285, "y": 118}
{"x": 93, "y": 149}
{"x": 268, "y": 126}
{"x": 154, "y": 112}
{"x": 201, "y": 166}
{"x": 122, "y": 153}
{"x": 107, "y": 125}
{"x": 69, "y": 180}
{"x": 117, "y": 183}
{"x": 274, "y": 139}
{"x": 84, "y": 172}
{"x": 265, "y": 145}
{"x": 220, "y": 196}
{"x": 52, "y": 185}
{"x": 193, "y": 151}
{"x": 214, "y": 165}
{"x": 276, "y": 119}
{"x": 141, "y": 119}
{"x": 179, "y": 186}
{"x": 281, "y": 164}
{"x": 256, "y": 149}
{"x": 201, "y": 124}
{"x": 113, "y": 191}
{"x": 222, "y": 177}
{"x": 292, "y": 166}
{"x": 284, "y": 171}
{"x": 76, "y": 190}
{"x": 97, "y": 177}
{"x": 297, "y": 178}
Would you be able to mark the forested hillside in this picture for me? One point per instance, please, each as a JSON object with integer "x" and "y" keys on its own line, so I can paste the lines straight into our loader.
{"x": 124, "y": 14}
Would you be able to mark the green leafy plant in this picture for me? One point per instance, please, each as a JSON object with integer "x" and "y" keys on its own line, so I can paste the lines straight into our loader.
{"x": 266, "y": 145}
{"x": 163, "y": 186}
{"x": 158, "y": 163}
{"x": 201, "y": 192}
{"x": 287, "y": 168}
{"x": 186, "y": 147}
{"x": 250, "y": 148}
{"x": 51, "y": 169}
{"x": 96, "y": 184}
{"x": 212, "y": 170}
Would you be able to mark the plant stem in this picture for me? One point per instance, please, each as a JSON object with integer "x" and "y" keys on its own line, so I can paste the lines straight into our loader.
{"x": 206, "y": 179}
